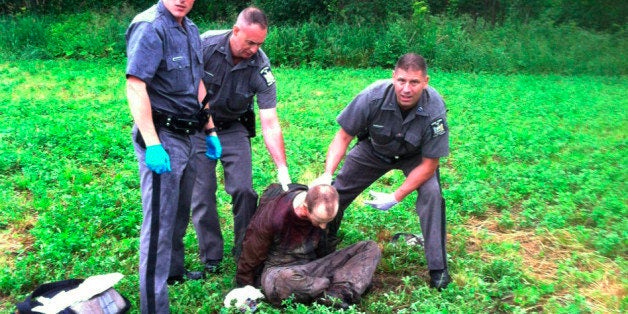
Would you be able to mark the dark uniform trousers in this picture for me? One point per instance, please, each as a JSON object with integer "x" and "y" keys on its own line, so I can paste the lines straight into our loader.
{"x": 161, "y": 240}
{"x": 361, "y": 168}
{"x": 237, "y": 167}
{"x": 352, "y": 267}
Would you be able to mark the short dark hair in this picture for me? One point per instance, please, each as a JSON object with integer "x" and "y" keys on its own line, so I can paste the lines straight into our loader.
{"x": 253, "y": 15}
{"x": 324, "y": 194}
{"x": 411, "y": 61}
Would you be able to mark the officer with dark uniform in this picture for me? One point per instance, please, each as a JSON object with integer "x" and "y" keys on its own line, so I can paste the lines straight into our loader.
{"x": 164, "y": 89}
{"x": 400, "y": 124}
{"x": 236, "y": 70}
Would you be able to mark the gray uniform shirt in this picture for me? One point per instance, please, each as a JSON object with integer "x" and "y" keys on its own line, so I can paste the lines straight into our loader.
{"x": 423, "y": 132}
{"x": 167, "y": 57}
{"x": 231, "y": 88}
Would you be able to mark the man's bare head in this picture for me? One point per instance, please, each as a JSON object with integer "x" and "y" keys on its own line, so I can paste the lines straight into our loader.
{"x": 322, "y": 204}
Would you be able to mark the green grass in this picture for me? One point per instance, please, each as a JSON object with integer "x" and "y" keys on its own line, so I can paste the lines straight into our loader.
{"x": 535, "y": 187}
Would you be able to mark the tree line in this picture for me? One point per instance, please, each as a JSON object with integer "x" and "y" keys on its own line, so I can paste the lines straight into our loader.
{"x": 597, "y": 15}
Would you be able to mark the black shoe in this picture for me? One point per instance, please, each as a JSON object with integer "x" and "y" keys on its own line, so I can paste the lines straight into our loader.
{"x": 439, "y": 278}
{"x": 187, "y": 275}
{"x": 213, "y": 267}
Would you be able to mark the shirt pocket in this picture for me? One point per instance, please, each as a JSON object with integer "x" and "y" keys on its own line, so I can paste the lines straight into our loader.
{"x": 212, "y": 83}
{"x": 242, "y": 97}
{"x": 380, "y": 134}
{"x": 179, "y": 73}
{"x": 413, "y": 141}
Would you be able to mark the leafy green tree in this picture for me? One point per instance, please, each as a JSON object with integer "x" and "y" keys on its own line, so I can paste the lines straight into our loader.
{"x": 593, "y": 14}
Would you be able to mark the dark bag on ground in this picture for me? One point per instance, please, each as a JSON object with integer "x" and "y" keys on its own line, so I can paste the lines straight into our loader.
{"x": 107, "y": 302}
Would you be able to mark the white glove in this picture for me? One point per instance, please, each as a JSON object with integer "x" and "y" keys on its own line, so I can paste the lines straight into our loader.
{"x": 323, "y": 179}
{"x": 242, "y": 296}
{"x": 283, "y": 177}
{"x": 382, "y": 201}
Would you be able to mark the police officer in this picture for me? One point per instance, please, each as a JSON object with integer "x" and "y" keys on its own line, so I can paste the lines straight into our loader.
{"x": 400, "y": 124}
{"x": 236, "y": 70}
{"x": 164, "y": 89}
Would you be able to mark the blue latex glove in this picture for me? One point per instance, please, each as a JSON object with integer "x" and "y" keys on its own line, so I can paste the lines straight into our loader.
{"x": 214, "y": 149}
{"x": 157, "y": 159}
{"x": 382, "y": 201}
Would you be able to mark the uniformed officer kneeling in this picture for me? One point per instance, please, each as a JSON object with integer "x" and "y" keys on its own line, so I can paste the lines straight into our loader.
{"x": 400, "y": 124}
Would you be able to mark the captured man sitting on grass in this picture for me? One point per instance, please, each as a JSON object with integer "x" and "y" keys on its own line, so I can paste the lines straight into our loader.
{"x": 279, "y": 251}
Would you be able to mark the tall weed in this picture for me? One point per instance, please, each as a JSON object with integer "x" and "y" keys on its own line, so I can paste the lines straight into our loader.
{"x": 24, "y": 36}
{"x": 92, "y": 36}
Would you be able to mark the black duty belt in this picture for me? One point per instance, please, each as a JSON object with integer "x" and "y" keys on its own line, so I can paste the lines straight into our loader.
{"x": 223, "y": 125}
{"x": 391, "y": 159}
{"x": 247, "y": 119}
{"x": 180, "y": 124}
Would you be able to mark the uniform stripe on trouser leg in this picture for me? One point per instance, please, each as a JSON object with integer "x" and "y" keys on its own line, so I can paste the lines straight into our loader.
{"x": 152, "y": 246}
{"x": 443, "y": 218}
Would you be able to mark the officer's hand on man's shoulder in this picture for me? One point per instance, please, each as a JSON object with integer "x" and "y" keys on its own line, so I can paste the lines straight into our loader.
{"x": 283, "y": 177}
{"x": 322, "y": 179}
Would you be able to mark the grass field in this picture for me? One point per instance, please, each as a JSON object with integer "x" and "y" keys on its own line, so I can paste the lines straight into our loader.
{"x": 535, "y": 186}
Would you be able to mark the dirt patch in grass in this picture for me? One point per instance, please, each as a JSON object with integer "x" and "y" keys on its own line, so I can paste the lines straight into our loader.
{"x": 542, "y": 255}
{"x": 13, "y": 240}
{"x": 385, "y": 282}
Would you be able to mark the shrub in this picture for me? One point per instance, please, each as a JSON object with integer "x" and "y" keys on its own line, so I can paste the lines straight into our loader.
{"x": 90, "y": 35}
{"x": 452, "y": 44}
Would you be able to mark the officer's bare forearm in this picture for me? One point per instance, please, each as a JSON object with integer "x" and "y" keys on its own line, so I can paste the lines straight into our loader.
{"x": 336, "y": 151}
{"x": 417, "y": 177}
{"x": 139, "y": 105}
{"x": 202, "y": 93}
{"x": 273, "y": 136}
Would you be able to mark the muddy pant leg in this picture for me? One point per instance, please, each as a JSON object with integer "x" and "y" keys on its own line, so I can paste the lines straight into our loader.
{"x": 351, "y": 268}
{"x": 279, "y": 283}
{"x": 204, "y": 212}
{"x": 358, "y": 270}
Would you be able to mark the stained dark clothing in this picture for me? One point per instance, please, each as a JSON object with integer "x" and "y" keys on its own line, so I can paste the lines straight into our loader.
{"x": 277, "y": 236}
{"x": 349, "y": 270}
{"x": 284, "y": 249}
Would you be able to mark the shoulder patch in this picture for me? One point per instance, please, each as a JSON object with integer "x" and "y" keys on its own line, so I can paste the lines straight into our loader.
{"x": 267, "y": 75}
{"x": 438, "y": 128}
